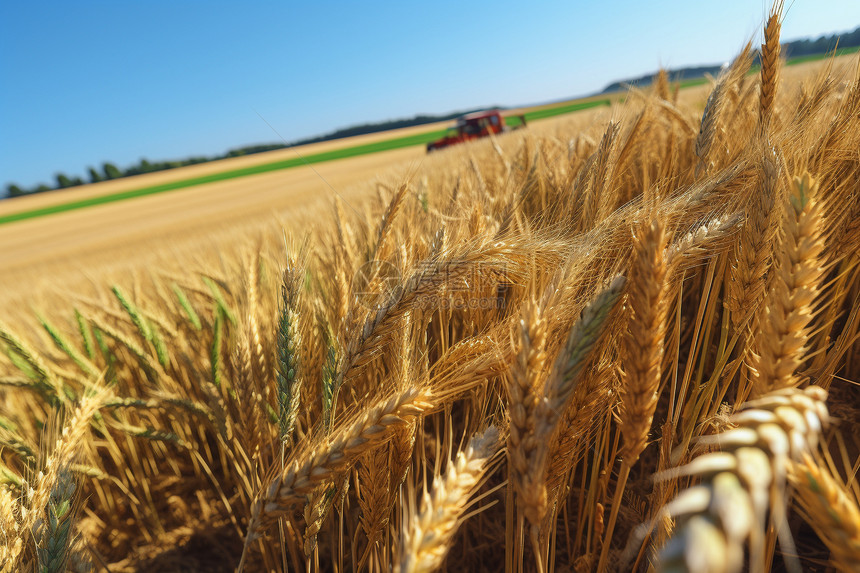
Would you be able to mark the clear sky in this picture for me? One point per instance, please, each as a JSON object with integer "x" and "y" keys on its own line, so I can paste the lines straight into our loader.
{"x": 85, "y": 82}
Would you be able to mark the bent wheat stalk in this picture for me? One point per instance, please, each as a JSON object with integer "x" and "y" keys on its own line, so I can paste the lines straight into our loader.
{"x": 314, "y": 466}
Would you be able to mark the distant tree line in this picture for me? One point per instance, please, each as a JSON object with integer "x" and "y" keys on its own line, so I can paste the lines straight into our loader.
{"x": 822, "y": 45}
{"x": 795, "y": 49}
{"x": 677, "y": 75}
{"x": 107, "y": 172}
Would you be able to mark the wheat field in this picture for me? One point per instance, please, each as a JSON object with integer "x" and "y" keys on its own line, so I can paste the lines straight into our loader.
{"x": 626, "y": 341}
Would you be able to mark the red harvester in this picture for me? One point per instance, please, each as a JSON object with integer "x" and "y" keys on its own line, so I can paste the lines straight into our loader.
{"x": 474, "y": 126}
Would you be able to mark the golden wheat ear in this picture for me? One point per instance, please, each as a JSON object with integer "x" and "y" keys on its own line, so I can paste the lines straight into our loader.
{"x": 709, "y": 127}
{"x": 791, "y": 303}
{"x": 661, "y": 84}
{"x": 428, "y": 533}
{"x": 831, "y": 511}
{"x": 742, "y": 484}
{"x": 770, "y": 64}
{"x": 523, "y": 384}
{"x": 643, "y": 345}
{"x": 11, "y": 534}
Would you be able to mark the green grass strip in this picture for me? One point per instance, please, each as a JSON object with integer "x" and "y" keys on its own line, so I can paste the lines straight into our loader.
{"x": 514, "y": 121}
{"x": 816, "y": 57}
{"x": 418, "y": 139}
{"x": 562, "y": 109}
{"x": 692, "y": 82}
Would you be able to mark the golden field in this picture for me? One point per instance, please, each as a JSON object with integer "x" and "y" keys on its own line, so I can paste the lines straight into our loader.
{"x": 625, "y": 340}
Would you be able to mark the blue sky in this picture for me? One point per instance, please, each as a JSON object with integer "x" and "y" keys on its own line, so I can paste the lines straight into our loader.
{"x": 85, "y": 82}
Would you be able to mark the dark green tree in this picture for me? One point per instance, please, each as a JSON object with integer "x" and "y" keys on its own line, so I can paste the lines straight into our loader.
{"x": 94, "y": 175}
{"x": 63, "y": 181}
{"x": 14, "y": 191}
{"x": 111, "y": 171}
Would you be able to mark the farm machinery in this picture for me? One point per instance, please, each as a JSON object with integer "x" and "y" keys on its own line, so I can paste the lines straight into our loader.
{"x": 475, "y": 126}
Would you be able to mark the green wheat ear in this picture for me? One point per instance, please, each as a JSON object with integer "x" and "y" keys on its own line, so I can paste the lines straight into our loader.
{"x": 288, "y": 362}
{"x": 150, "y": 433}
{"x": 86, "y": 334}
{"x": 215, "y": 350}
{"x": 133, "y": 312}
{"x": 105, "y": 350}
{"x": 289, "y": 386}
{"x": 193, "y": 318}
{"x": 10, "y": 438}
{"x": 219, "y": 299}
{"x": 21, "y": 364}
{"x": 28, "y": 361}
{"x": 53, "y": 531}
{"x": 160, "y": 348}
{"x": 9, "y": 477}
{"x": 329, "y": 381}
{"x": 143, "y": 358}
{"x": 147, "y": 330}
{"x": 85, "y": 365}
